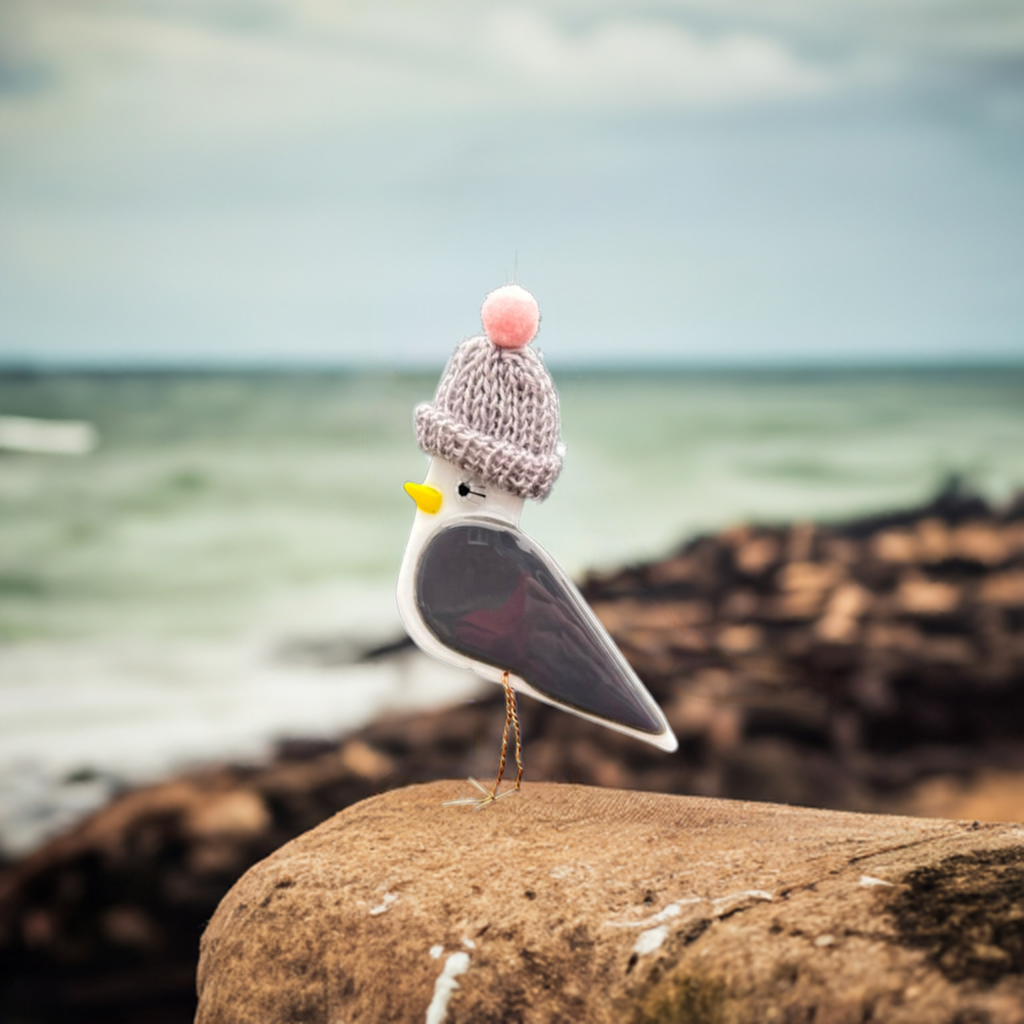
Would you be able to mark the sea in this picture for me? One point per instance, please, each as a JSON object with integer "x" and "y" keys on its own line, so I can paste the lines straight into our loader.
{"x": 204, "y": 584}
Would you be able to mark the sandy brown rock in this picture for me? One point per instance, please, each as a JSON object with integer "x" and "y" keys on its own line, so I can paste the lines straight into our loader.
{"x": 578, "y": 904}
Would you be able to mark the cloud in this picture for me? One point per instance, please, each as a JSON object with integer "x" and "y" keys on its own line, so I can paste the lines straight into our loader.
{"x": 218, "y": 71}
{"x": 186, "y": 67}
{"x": 630, "y": 62}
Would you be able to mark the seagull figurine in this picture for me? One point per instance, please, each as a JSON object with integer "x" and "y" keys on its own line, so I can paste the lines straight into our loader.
{"x": 474, "y": 590}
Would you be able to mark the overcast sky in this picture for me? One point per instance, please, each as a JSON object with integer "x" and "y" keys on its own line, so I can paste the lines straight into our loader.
{"x": 339, "y": 181}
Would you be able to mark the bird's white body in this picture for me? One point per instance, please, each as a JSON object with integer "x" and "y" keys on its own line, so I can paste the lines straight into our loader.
{"x": 463, "y": 498}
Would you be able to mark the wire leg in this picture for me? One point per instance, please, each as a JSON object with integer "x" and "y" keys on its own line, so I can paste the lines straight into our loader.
{"x": 509, "y": 712}
{"x": 511, "y": 719}
{"x": 513, "y": 713}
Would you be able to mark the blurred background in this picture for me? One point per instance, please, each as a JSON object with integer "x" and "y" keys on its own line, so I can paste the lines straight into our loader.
{"x": 779, "y": 253}
{"x": 779, "y": 257}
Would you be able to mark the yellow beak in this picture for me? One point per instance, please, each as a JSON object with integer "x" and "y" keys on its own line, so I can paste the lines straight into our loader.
{"x": 428, "y": 499}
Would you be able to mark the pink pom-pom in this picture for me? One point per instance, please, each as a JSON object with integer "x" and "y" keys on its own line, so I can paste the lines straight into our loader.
{"x": 511, "y": 316}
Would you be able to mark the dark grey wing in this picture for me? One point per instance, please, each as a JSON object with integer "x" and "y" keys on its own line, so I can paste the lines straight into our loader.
{"x": 489, "y": 592}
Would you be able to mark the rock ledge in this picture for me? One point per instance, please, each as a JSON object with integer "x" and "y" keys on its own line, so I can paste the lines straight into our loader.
{"x": 575, "y": 903}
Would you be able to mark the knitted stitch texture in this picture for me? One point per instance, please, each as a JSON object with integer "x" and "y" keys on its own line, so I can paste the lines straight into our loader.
{"x": 495, "y": 415}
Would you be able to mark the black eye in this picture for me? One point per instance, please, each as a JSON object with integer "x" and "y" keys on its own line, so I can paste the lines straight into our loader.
{"x": 465, "y": 490}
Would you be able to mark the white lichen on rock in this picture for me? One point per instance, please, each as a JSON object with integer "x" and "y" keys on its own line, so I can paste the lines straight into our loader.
{"x": 445, "y": 986}
{"x": 650, "y": 940}
{"x": 385, "y": 903}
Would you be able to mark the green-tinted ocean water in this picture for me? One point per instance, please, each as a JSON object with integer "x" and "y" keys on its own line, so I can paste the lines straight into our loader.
{"x": 159, "y": 598}
{"x": 212, "y": 494}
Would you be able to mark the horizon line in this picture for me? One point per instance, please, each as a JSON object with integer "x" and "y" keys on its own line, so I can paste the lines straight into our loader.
{"x": 199, "y": 367}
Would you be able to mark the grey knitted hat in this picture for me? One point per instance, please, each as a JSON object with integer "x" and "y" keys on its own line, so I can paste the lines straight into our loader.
{"x": 495, "y": 413}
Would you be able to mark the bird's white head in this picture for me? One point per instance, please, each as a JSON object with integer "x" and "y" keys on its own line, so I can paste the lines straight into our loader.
{"x": 448, "y": 492}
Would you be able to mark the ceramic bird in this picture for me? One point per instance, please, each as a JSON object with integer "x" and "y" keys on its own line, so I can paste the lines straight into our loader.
{"x": 474, "y": 590}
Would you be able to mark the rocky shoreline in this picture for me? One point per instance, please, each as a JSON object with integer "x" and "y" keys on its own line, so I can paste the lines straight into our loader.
{"x": 871, "y": 665}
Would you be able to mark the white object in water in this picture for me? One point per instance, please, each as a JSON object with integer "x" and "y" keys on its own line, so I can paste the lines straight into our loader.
{"x": 47, "y": 437}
